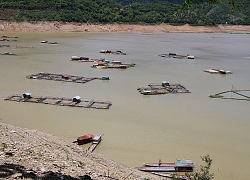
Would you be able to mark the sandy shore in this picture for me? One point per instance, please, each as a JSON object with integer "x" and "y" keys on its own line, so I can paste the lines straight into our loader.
{"x": 77, "y": 27}
{"x": 30, "y": 154}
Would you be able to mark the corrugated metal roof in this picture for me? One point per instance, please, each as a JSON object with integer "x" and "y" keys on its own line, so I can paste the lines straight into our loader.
{"x": 184, "y": 163}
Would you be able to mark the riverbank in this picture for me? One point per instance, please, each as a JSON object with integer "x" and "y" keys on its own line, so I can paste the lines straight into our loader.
{"x": 30, "y": 154}
{"x": 84, "y": 27}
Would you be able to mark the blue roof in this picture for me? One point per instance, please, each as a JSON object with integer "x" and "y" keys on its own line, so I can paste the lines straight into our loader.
{"x": 183, "y": 163}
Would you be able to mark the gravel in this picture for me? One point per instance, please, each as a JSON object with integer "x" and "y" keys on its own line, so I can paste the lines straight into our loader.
{"x": 30, "y": 154}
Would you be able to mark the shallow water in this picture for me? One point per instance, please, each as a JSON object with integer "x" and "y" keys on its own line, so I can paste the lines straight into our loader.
{"x": 138, "y": 128}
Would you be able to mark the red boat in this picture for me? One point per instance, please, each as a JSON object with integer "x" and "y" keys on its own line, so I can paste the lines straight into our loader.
{"x": 84, "y": 139}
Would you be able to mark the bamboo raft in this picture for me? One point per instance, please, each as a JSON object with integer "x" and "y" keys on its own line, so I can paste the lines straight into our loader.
{"x": 64, "y": 77}
{"x": 72, "y": 102}
{"x": 163, "y": 88}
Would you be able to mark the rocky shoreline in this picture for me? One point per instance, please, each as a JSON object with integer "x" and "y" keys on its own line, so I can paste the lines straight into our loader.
{"x": 30, "y": 154}
{"x": 131, "y": 28}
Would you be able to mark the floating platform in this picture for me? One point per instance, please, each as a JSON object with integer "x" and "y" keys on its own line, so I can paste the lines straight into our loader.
{"x": 65, "y": 77}
{"x": 76, "y": 101}
{"x": 104, "y": 64}
{"x": 177, "y": 56}
{"x": 163, "y": 88}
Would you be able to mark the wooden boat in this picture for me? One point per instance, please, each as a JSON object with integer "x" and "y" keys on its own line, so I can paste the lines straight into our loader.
{"x": 175, "y": 55}
{"x": 84, "y": 139}
{"x": 81, "y": 58}
{"x": 96, "y": 140}
{"x": 159, "y": 164}
{"x": 157, "y": 169}
{"x": 190, "y": 57}
{"x": 105, "y": 51}
{"x": 4, "y": 36}
{"x": 112, "y": 52}
{"x": 176, "y": 176}
{"x": 44, "y": 41}
{"x": 7, "y": 53}
{"x": 53, "y": 42}
{"x": 217, "y": 71}
{"x": 178, "y": 166}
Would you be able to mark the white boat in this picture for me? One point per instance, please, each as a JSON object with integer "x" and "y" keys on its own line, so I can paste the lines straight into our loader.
{"x": 95, "y": 141}
{"x": 216, "y": 71}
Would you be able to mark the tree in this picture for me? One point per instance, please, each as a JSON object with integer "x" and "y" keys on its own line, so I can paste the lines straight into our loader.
{"x": 203, "y": 173}
{"x": 234, "y": 4}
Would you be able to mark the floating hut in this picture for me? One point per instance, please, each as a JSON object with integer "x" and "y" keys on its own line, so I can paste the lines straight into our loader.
{"x": 76, "y": 101}
{"x": 163, "y": 88}
{"x": 65, "y": 77}
{"x": 27, "y": 95}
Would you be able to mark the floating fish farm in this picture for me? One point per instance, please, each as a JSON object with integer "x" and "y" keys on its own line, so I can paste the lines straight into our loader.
{"x": 76, "y": 101}
{"x": 163, "y": 88}
{"x": 65, "y": 77}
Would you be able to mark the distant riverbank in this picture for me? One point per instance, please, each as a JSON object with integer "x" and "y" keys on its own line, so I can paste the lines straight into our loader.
{"x": 85, "y": 27}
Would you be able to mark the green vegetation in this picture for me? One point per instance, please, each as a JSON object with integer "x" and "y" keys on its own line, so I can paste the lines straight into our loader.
{"x": 126, "y": 11}
{"x": 203, "y": 173}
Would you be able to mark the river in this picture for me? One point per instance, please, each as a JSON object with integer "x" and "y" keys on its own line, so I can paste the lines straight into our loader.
{"x": 138, "y": 128}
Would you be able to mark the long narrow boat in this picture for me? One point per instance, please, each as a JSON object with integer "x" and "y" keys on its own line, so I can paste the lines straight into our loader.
{"x": 157, "y": 169}
{"x": 178, "y": 166}
{"x": 176, "y": 176}
{"x": 160, "y": 164}
{"x": 95, "y": 141}
{"x": 179, "y": 163}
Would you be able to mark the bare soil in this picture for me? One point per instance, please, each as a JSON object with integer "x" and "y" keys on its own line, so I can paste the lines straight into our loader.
{"x": 133, "y": 28}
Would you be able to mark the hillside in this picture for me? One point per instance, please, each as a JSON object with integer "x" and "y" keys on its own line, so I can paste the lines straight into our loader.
{"x": 30, "y": 154}
{"x": 123, "y": 12}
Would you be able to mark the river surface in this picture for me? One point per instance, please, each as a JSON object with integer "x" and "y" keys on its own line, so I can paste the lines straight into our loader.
{"x": 138, "y": 128}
